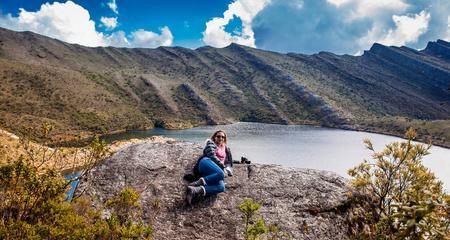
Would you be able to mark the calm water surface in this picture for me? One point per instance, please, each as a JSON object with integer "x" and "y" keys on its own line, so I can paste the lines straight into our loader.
{"x": 299, "y": 146}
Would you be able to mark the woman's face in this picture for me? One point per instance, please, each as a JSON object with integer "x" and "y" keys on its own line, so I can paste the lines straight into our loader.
{"x": 219, "y": 138}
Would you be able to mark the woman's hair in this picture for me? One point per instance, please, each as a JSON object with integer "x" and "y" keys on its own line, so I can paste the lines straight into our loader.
{"x": 220, "y": 131}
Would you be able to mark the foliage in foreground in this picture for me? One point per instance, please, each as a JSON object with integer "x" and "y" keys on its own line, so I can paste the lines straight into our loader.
{"x": 256, "y": 228}
{"x": 409, "y": 200}
{"x": 33, "y": 200}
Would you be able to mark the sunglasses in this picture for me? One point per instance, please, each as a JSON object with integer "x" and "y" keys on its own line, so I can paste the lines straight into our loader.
{"x": 221, "y": 137}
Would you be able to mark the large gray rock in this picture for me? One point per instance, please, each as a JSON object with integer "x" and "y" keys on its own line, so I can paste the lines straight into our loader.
{"x": 305, "y": 203}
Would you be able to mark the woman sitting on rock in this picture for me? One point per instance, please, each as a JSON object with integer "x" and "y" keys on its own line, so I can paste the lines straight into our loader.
{"x": 210, "y": 168}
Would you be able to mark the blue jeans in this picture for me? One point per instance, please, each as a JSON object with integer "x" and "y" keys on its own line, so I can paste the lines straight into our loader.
{"x": 213, "y": 176}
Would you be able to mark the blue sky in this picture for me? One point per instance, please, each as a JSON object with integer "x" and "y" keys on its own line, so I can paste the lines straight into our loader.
{"x": 186, "y": 20}
{"x": 306, "y": 26}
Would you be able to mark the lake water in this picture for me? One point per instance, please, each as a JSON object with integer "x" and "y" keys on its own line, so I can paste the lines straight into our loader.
{"x": 73, "y": 185}
{"x": 298, "y": 146}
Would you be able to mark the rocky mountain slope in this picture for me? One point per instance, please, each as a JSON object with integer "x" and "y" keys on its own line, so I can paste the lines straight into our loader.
{"x": 304, "y": 203}
{"x": 82, "y": 89}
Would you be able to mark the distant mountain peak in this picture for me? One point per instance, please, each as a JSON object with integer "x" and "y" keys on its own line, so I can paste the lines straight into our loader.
{"x": 443, "y": 42}
{"x": 237, "y": 46}
{"x": 440, "y": 49}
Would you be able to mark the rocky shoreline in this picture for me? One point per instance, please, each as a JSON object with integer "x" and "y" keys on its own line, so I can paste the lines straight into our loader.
{"x": 305, "y": 203}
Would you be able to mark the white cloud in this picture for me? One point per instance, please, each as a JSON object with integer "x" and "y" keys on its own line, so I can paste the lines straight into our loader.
{"x": 71, "y": 23}
{"x": 142, "y": 38}
{"x": 67, "y": 21}
{"x": 408, "y": 29}
{"x": 117, "y": 39}
{"x": 215, "y": 34}
{"x": 338, "y": 3}
{"x": 109, "y": 23}
{"x": 348, "y": 11}
{"x": 448, "y": 29}
{"x": 349, "y": 26}
{"x": 370, "y": 8}
{"x": 113, "y": 6}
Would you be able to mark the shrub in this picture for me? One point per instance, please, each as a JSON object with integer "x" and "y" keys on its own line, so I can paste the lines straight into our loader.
{"x": 256, "y": 228}
{"x": 122, "y": 222}
{"x": 410, "y": 202}
{"x": 33, "y": 199}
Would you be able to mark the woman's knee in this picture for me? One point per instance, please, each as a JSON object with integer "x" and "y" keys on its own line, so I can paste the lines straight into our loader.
{"x": 221, "y": 174}
{"x": 221, "y": 186}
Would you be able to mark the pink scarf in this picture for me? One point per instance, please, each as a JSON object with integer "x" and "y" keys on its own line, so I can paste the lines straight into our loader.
{"x": 221, "y": 153}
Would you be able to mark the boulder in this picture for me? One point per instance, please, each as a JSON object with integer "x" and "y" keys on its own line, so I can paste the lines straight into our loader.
{"x": 304, "y": 203}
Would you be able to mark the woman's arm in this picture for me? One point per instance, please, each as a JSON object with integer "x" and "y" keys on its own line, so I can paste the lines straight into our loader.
{"x": 210, "y": 152}
{"x": 229, "y": 158}
{"x": 229, "y": 162}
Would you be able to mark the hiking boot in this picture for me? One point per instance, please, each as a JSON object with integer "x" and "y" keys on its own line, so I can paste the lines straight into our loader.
{"x": 199, "y": 182}
{"x": 193, "y": 192}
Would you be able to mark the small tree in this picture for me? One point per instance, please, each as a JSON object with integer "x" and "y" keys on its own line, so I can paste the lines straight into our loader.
{"x": 256, "y": 228}
{"x": 410, "y": 202}
{"x": 123, "y": 221}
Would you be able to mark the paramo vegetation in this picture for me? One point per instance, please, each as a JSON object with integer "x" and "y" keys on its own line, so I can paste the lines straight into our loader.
{"x": 33, "y": 198}
{"x": 409, "y": 200}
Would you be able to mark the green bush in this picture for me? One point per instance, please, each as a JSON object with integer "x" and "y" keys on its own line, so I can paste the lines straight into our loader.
{"x": 256, "y": 228}
{"x": 33, "y": 200}
{"x": 122, "y": 222}
{"x": 409, "y": 200}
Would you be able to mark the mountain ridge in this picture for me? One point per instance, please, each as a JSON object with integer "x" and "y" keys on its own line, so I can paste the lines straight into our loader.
{"x": 105, "y": 89}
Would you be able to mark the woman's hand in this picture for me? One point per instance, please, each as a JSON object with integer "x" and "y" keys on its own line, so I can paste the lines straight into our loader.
{"x": 229, "y": 170}
{"x": 221, "y": 165}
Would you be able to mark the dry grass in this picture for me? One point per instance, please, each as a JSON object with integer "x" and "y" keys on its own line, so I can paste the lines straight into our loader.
{"x": 62, "y": 158}
{"x": 13, "y": 148}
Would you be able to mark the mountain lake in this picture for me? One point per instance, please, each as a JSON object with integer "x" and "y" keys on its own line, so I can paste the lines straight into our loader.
{"x": 297, "y": 145}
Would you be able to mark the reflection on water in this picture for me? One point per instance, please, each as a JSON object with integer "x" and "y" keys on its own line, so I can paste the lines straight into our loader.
{"x": 298, "y": 146}
{"x": 73, "y": 185}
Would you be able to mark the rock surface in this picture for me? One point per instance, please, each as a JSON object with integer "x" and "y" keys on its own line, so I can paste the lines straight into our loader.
{"x": 305, "y": 203}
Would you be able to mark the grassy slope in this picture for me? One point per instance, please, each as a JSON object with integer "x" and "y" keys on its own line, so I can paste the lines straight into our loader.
{"x": 436, "y": 131}
{"x": 70, "y": 100}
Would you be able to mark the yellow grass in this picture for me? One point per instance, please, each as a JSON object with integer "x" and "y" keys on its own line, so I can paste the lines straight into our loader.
{"x": 63, "y": 158}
